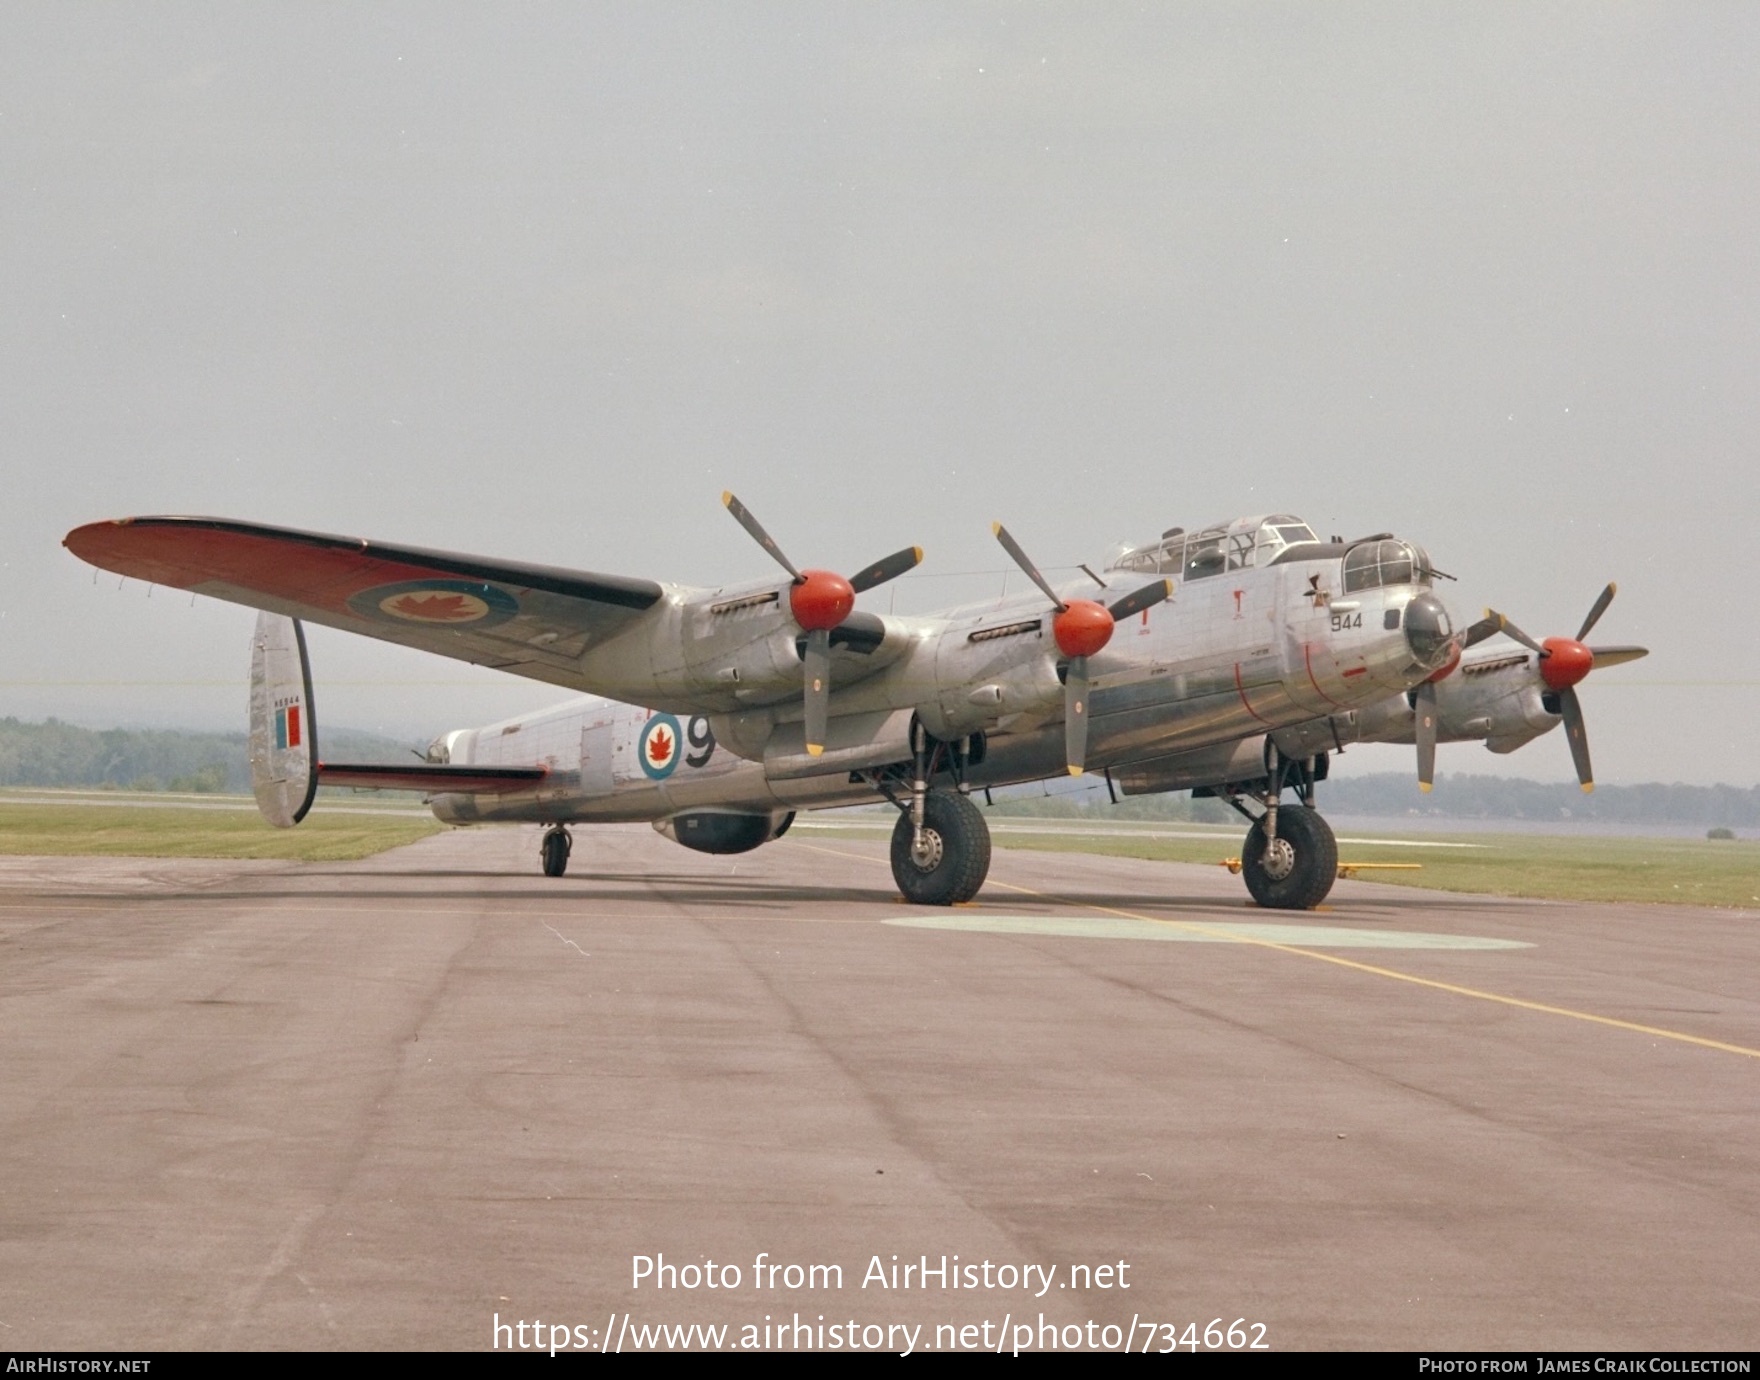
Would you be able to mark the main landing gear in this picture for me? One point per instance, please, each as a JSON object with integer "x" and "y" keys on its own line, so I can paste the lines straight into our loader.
{"x": 558, "y": 844}
{"x": 941, "y": 844}
{"x": 1290, "y": 858}
{"x": 946, "y": 860}
{"x": 1295, "y": 869}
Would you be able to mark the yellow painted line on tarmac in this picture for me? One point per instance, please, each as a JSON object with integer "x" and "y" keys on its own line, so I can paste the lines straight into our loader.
{"x": 1376, "y": 970}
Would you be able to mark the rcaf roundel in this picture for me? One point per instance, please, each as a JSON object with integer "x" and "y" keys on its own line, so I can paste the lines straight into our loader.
{"x": 436, "y": 603}
{"x": 657, "y": 746}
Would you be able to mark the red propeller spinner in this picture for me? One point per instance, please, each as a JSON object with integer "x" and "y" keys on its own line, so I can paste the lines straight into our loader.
{"x": 821, "y": 600}
{"x": 1082, "y": 628}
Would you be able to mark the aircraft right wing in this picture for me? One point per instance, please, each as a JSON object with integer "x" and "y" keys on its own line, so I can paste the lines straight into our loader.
{"x": 529, "y": 620}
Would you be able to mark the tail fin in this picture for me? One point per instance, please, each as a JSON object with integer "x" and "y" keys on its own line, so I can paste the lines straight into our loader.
{"x": 283, "y": 736}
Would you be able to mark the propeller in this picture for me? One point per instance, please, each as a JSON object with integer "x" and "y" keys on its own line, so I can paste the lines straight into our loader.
{"x": 1080, "y": 628}
{"x": 1425, "y": 716}
{"x": 1424, "y": 726}
{"x": 1564, "y": 661}
{"x": 819, "y": 601}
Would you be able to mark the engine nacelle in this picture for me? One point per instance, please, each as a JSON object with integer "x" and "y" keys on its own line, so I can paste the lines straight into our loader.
{"x": 1499, "y": 701}
{"x": 999, "y": 673}
{"x": 724, "y": 831}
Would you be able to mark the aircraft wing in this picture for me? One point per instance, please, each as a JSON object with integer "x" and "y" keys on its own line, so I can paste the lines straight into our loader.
{"x": 530, "y": 620}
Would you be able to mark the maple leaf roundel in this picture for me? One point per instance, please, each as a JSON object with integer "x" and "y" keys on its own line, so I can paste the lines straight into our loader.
{"x": 437, "y": 603}
{"x": 657, "y": 746}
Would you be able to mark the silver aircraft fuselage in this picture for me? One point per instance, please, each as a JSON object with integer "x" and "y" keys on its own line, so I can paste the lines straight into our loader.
{"x": 1184, "y": 694}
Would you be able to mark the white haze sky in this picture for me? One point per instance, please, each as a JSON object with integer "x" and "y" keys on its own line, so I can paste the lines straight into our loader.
{"x": 541, "y": 281}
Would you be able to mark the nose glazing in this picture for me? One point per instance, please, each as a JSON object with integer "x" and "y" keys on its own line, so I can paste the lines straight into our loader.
{"x": 1429, "y": 633}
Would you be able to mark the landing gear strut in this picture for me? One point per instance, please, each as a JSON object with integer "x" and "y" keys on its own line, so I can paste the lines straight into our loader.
{"x": 1290, "y": 858}
{"x": 941, "y": 844}
{"x": 557, "y": 845}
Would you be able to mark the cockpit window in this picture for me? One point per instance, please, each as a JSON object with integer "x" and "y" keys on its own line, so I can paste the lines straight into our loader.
{"x": 1204, "y": 556}
{"x": 1371, "y": 564}
{"x": 1240, "y": 545}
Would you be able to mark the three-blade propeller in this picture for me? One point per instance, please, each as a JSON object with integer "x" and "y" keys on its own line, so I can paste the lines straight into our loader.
{"x": 1081, "y": 627}
{"x": 1563, "y": 662}
{"x": 819, "y": 601}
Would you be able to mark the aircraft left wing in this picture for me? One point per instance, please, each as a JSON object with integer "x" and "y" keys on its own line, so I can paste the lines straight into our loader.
{"x": 529, "y": 620}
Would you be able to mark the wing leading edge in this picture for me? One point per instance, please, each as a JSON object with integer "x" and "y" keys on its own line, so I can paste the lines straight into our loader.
{"x": 530, "y": 620}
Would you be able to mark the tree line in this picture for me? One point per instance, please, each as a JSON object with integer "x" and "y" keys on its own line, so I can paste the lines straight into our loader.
{"x": 62, "y": 755}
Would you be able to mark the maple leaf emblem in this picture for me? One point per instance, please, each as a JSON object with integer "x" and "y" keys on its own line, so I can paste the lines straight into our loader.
{"x": 659, "y": 746}
{"x": 435, "y": 608}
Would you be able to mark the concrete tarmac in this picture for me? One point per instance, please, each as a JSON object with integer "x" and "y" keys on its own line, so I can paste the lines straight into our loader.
{"x": 436, "y": 1099}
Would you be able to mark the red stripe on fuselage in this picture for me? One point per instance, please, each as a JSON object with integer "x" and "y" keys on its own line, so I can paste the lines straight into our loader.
{"x": 1241, "y": 690}
{"x": 1308, "y": 662}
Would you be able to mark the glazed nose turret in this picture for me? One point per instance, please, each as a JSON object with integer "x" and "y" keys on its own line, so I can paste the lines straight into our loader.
{"x": 1429, "y": 631}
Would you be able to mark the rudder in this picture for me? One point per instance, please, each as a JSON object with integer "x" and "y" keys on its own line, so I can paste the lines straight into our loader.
{"x": 283, "y": 732}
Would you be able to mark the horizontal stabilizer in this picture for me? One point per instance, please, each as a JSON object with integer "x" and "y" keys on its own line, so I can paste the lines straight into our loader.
{"x": 434, "y": 779}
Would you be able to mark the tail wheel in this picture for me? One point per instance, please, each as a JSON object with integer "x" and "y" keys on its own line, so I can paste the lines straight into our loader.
{"x": 950, "y": 861}
{"x": 1295, "y": 870}
{"x": 555, "y": 849}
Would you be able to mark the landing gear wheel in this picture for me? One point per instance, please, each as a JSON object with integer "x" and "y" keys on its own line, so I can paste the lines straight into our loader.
{"x": 953, "y": 858}
{"x": 1295, "y": 870}
{"x": 554, "y": 850}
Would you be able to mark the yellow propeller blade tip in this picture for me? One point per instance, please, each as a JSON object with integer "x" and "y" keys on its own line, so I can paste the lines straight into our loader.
{"x": 727, "y": 498}
{"x": 995, "y": 528}
{"x": 1075, "y": 771}
{"x": 1588, "y": 787}
{"x": 1425, "y": 787}
{"x": 814, "y": 749}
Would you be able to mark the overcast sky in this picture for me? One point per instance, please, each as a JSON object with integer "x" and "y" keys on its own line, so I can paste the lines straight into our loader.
{"x": 541, "y": 281}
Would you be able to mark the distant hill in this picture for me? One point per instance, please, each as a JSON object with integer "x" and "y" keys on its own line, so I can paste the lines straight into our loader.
{"x": 54, "y": 754}
{"x": 1459, "y": 796}
{"x": 1396, "y": 795}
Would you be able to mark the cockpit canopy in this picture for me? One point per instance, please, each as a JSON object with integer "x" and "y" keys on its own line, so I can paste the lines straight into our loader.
{"x": 1255, "y": 542}
{"x": 1238, "y": 545}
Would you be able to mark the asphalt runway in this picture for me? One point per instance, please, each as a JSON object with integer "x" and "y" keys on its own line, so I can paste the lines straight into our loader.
{"x": 394, "y": 1103}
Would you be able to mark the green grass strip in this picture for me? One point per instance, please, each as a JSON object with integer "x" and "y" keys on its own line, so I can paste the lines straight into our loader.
{"x": 170, "y": 831}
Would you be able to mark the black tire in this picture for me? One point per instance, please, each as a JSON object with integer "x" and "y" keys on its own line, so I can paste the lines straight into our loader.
{"x": 959, "y": 847}
{"x": 555, "y": 849}
{"x": 1312, "y": 871}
